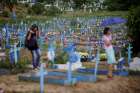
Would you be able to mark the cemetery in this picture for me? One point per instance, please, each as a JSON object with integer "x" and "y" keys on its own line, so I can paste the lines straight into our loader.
{"x": 72, "y": 55}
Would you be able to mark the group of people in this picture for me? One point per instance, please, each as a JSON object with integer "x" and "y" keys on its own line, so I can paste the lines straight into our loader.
{"x": 32, "y": 45}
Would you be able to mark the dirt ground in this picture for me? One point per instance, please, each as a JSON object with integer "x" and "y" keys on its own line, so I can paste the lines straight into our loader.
{"x": 11, "y": 84}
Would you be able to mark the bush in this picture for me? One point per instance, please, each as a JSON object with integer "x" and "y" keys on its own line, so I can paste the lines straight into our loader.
{"x": 26, "y": 5}
{"x": 30, "y": 11}
{"x": 61, "y": 58}
{"x": 134, "y": 28}
{"x": 21, "y": 64}
{"x": 2, "y": 21}
{"x": 37, "y": 9}
{"x": 52, "y": 11}
{"x": 7, "y": 65}
{"x": 121, "y": 4}
{"x": 5, "y": 14}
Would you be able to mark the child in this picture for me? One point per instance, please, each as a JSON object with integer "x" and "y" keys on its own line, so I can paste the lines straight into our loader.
{"x": 109, "y": 51}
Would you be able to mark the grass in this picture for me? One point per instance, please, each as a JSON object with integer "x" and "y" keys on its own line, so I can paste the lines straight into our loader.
{"x": 73, "y": 15}
{"x": 98, "y": 13}
{"x": 22, "y": 14}
{"x": 68, "y": 15}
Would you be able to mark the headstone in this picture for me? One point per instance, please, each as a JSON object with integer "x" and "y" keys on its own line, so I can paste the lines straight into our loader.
{"x": 135, "y": 65}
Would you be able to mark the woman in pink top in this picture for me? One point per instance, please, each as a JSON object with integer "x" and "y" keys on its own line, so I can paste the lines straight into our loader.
{"x": 109, "y": 50}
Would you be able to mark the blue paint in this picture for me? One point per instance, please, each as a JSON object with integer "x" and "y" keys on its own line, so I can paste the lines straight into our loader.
{"x": 15, "y": 53}
{"x": 120, "y": 71}
{"x": 41, "y": 79}
{"x": 70, "y": 48}
{"x": 96, "y": 65}
{"x": 92, "y": 70}
{"x": 7, "y": 36}
{"x": 73, "y": 57}
{"x": 90, "y": 49}
{"x": 69, "y": 76}
{"x": 14, "y": 15}
{"x": 41, "y": 41}
{"x": 11, "y": 56}
{"x": 21, "y": 39}
{"x": 85, "y": 78}
{"x": 103, "y": 72}
{"x": 129, "y": 53}
{"x": 62, "y": 40}
{"x": 120, "y": 64}
{"x": 51, "y": 50}
{"x": 112, "y": 20}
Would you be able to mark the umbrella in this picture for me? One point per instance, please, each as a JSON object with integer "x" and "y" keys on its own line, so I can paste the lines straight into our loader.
{"x": 113, "y": 20}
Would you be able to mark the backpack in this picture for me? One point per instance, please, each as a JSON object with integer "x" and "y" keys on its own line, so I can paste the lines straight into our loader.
{"x": 26, "y": 41}
{"x": 31, "y": 44}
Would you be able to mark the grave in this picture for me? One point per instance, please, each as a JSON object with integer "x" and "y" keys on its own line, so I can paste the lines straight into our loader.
{"x": 56, "y": 77}
{"x": 75, "y": 65}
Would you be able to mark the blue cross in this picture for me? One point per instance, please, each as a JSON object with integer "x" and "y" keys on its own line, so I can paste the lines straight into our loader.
{"x": 129, "y": 53}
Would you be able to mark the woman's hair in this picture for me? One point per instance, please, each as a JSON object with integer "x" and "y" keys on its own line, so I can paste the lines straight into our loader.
{"x": 106, "y": 29}
{"x": 34, "y": 26}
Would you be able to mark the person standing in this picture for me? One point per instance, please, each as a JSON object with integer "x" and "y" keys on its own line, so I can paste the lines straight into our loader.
{"x": 109, "y": 51}
{"x": 32, "y": 45}
{"x": 0, "y": 41}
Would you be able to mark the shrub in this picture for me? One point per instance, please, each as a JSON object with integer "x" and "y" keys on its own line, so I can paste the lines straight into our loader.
{"x": 61, "y": 58}
{"x": 121, "y": 4}
{"x": 26, "y": 5}
{"x": 5, "y": 14}
{"x": 2, "y": 21}
{"x": 30, "y": 11}
{"x": 52, "y": 11}
{"x": 134, "y": 28}
{"x": 37, "y": 9}
{"x": 7, "y": 65}
{"x": 21, "y": 64}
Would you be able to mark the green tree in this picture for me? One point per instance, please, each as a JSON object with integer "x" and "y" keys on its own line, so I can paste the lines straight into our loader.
{"x": 79, "y": 3}
{"x": 134, "y": 28}
{"x": 47, "y": 1}
{"x": 41, "y": 1}
{"x": 38, "y": 9}
{"x": 52, "y": 11}
{"x": 9, "y": 4}
{"x": 121, "y": 4}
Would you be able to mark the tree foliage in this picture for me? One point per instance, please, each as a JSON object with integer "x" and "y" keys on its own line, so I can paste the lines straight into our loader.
{"x": 134, "y": 28}
{"x": 9, "y": 3}
{"x": 47, "y": 1}
{"x": 121, "y": 4}
{"x": 52, "y": 11}
{"x": 37, "y": 9}
{"x": 79, "y": 3}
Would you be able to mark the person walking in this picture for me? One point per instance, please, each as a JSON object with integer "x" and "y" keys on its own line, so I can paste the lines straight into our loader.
{"x": 32, "y": 45}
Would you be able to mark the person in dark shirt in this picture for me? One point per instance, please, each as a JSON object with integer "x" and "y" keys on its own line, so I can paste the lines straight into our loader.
{"x": 32, "y": 45}
{"x": 0, "y": 40}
